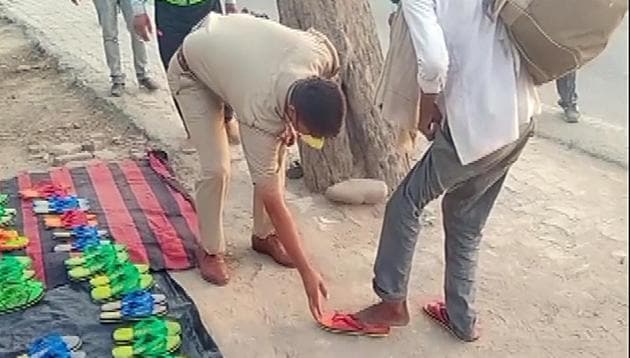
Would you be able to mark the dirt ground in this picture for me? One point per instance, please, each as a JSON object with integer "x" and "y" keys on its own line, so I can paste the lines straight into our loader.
{"x": 553, "y": 270}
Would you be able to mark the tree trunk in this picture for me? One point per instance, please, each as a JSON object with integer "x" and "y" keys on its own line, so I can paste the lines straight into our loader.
{"x": 365, "y": 146}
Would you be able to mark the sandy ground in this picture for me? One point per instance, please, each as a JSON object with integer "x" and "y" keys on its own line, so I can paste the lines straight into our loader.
{"x": 553, "y": 267}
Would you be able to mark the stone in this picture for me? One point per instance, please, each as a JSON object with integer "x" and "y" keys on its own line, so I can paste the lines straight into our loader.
{"x": 358, "y": 192}
{"x": 63, "y": 159}
{"x": 137, "y": 154}
{"x": 107, "y": 155}
{"x": 25, "y": 68}
{"x": 117, "y": 140}
{"x": 43, "y": 156}
{"x": 620, "y": 256}
{"x": 65, "y": 148}
{"x": 76, "y": 125}
{"x": 35, "y": 148}
{"x": 98, "y": 136}
{"x": 88, "y": 147}
{"x": 189, "y": 150}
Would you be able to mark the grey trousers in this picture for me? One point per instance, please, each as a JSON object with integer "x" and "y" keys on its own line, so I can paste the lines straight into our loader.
{"x": 567, "y": 90}
{"x": 470, "y": 192}
{"x": 107, "y": 11}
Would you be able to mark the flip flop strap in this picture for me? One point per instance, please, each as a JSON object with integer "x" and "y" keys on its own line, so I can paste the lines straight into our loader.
{"x": 84, "y": 242}
{"x": 10, "y": 270}
{"x": 48, "y": 189}
{"x": 150, "y": 326}
{"x": 83, "y": 231}
{"x": 63, "y": 203}
{"x": 53, "y": 346}
{"x": 127, "y": 282}
{"x": 140, "y": 306}
{"x": 72, "y": 218}
{"x": 15, "y": 294}
{"x": 8, "y": 234}
{"x": 150, "y": 344}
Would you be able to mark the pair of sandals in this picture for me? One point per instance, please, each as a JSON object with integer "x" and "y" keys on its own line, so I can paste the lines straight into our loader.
{"x": 82, "y": 238}
{"x": 134, "y": 306}
{"x": 55, "y": 346}
{"x": 10, "y": 240}
{"x": 44, "y": 190}
{"x": 151, "y": 337}
{"x": 19, "y": 289}
{"x": 60, "y": 204}
{"x": 120, "y": 280}
{"x": 7, "y": 216}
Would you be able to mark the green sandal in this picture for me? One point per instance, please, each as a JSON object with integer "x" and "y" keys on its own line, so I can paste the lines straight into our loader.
{"x": 15, "y": 269}
{"x": 18, "y": 296}
{"x": 131, "y": 281}
{"x": 150, "y": 326}
{"x": 149, "y": 346}
{"x": 116, "y": 273}
{"x": 82, "y": 273}
{"x": 93, "y": 254}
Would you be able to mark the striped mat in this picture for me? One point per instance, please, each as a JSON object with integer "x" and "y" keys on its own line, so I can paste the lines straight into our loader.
{"x": 138, "y": 202}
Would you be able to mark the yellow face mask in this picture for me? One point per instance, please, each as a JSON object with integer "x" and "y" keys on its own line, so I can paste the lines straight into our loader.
{"x": 313, "y": 142}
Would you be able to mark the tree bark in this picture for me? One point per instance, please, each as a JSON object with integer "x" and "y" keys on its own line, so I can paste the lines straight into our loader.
{"x": 365, "y": 146}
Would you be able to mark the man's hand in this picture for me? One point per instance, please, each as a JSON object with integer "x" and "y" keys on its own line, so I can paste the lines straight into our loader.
{"x": 231, "y": 9}
{"x": 316, "y": 292}
{"x": 271, "y": 194}
{"x": 289, "y": 136}
{"x": 430, "y": 116}
{"x": 143, "y": 27}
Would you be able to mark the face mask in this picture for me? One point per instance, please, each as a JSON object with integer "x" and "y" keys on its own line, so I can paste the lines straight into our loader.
{"x": 313, "y": 142}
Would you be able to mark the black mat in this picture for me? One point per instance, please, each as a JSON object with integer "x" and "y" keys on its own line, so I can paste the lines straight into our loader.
{"x": 68, "y": 310}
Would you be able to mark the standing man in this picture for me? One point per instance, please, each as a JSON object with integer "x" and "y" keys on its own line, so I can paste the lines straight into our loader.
{"x": 278, "y": 81}
{"x": 567, "y": 90}
{"x": 107, "y": 11}
{"x": 476, "y": 104}
{"x": 174, "y": 19}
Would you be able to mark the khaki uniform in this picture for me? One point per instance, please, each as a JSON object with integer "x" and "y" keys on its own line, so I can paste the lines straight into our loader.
{"x": 249, "y": 63}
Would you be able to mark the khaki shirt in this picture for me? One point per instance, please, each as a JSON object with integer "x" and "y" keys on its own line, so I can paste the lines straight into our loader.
{"x": 251, "y": 63}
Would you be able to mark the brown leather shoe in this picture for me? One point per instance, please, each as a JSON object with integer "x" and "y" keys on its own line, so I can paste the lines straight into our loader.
{"x": 272, "y": 247}
{"x": 212, "y": 268}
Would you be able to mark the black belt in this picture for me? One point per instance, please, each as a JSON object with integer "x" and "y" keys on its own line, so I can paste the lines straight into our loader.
{"x": 182, "y": 60}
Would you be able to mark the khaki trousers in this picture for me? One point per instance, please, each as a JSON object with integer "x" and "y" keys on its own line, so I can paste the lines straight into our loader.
{"x": 202, "y": 112}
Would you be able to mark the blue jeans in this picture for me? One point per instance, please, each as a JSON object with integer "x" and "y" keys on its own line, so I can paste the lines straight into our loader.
{"x": 567, "y": 90}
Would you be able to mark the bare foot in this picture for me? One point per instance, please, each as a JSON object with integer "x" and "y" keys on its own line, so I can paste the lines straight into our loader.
{"x": 394, "y": 314}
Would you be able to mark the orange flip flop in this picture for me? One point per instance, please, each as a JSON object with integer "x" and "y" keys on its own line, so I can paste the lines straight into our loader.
{"x": 44, "y": 190}
{"x": 346, "y": 323}
{"x": 70, "y": 220}
{"x": 436, "y": 310}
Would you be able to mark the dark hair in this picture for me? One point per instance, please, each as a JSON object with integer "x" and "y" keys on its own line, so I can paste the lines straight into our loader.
{"x": 320, "y": 105}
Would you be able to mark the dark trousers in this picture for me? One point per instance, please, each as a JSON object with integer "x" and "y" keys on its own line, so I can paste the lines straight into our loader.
{"x": 174, "y": 23}
{"x": 567, "y": 91}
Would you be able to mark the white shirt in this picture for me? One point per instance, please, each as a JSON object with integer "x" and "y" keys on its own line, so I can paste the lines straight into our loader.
{"x": 139, "y": 8}
{"x": 467, "y": 56}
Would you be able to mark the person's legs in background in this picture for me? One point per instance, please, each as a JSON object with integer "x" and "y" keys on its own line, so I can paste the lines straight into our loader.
{"x": 107, "y": 11}
{"x": 140, "y": 58}
{"x": 567, "y": 90}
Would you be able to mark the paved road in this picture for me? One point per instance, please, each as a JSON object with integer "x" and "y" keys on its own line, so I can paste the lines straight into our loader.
{"x": 603, "y": 90}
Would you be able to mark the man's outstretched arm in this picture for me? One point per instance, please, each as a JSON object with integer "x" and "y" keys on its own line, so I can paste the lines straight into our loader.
{"x": 286, "y": 229}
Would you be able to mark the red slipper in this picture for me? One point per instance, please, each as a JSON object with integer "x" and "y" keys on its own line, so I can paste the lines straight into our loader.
{"x": 345, "y": 323}
{"x": 436, "y": 310}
